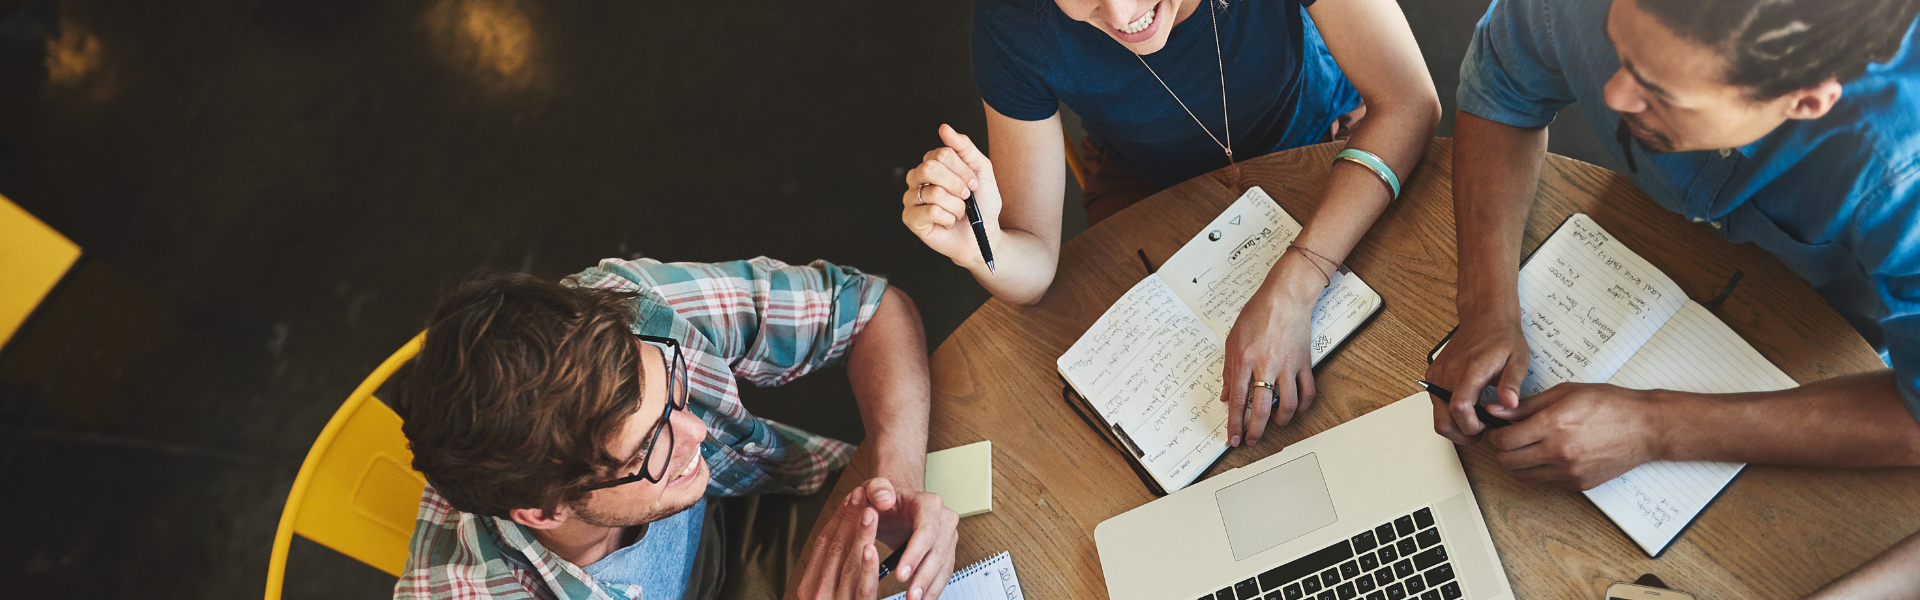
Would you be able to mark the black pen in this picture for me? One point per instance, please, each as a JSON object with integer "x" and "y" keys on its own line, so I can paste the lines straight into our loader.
{"x": 980, "y": 232}
{"x": 1479, "y": 409}
{"x": 893, "y": 560}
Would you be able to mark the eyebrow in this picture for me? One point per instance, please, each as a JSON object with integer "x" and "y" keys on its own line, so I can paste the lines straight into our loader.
{"x": 1651, "y": 86}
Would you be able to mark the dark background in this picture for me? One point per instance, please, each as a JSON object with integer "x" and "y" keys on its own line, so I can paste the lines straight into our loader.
{"x": 271, "y": 193}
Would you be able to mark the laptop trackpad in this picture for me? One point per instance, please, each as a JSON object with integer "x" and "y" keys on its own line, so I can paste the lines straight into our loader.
{"x": 1275, "y": 506}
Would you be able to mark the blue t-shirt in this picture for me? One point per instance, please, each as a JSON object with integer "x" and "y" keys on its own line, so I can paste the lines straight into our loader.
{"x": 1283, "y": 88}
{"x": 1837, "y": 198}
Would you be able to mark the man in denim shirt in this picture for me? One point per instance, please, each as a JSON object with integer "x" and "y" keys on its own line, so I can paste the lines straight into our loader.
{"x": 1790, "y": 124}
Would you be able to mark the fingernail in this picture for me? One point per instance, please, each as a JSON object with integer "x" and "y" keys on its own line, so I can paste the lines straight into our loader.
{"x": 882, "y": 496}
{"x": 867, "y": 519}
{"x": 849, "y": 501}
{"x": 906, "y": 571}
{"x": 915, "y": 594}
{"x": 967, "y": 195}
{"x": 1233, "y": 441}
{"x": 869, "y": 552}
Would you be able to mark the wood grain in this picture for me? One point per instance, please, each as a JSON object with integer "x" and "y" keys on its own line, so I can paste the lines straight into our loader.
{"x": 1777, "y": 532}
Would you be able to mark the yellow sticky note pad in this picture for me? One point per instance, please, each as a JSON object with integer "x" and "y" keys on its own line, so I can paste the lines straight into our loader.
{"x": 33, "y": 257}
{"x": 963, "y": 477}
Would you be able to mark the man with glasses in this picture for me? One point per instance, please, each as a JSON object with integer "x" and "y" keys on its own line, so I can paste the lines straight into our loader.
{"x": 576, "y": 436}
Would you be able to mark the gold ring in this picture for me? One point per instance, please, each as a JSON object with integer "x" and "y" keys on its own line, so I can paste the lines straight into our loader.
{"x": 1262, "y": 384}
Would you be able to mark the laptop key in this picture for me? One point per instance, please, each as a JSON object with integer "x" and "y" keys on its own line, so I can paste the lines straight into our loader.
{"x": 1387, "y": 554}
{"x": 1310, "y": 585}
{"x": 1405, "y": 525}
{"x": 1292, "y": 592}
{"x": 1306, "y": 566}
{"x": 1369, "y": 562}
{"x": 1349, "y": 569}
{"x": 1404, "y": 567}
{"x": 1364, "y": 541}
{"x": 1276, "y": 595}
{"x": 1325, "y": 595}
{"x": 1434, "y": 556}
{"x": 1423, "y": 518}
{"x": 1451, "y": 590}
{"x": 1406, "y": 546}
{"x": 1376, "y": 596}
{"x": 1365, "y": 583}
{"x": 1330, "y": 577}
{"x": 1248, "y": 589}
{"x": 1439, "y": 575}
{"x": 1225, "y": 594}
{"x": 1428, "y": 538}
{"x": 1394, "y": 592}
{"x": 1430, "y": 595}
{"x": 1346, "y": 591}
{"x": 1384, "y": 532}
{"x": 1383, "y": 576}
{"x": 1415, "y": 585}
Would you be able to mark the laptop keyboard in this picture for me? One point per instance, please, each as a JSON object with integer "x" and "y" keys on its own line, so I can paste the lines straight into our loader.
{"x": 1398, "y": 560}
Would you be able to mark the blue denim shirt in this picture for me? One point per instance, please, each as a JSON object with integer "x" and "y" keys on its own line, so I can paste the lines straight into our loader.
{"x": 1837, "y": 199}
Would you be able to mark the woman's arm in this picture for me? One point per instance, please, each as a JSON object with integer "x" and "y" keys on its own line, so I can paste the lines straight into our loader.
{"x": 1375, "y": 48}
{"x": 1022, "y": 216}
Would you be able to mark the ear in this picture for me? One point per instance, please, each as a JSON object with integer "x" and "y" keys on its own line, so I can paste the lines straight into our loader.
{"x": 539, "y": 518}
{"x": 1813, "y": 102}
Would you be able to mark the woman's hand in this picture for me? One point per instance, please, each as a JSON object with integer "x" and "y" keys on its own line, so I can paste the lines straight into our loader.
{"x": 935, "y": 200}
{"x": 1269, "y": 343}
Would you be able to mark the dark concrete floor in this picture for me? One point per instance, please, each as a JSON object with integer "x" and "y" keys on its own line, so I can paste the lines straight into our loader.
{"x": 271, "y": 192}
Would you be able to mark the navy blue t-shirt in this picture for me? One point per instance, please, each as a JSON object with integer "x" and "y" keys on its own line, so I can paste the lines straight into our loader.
{"x": 1283, "y": 87}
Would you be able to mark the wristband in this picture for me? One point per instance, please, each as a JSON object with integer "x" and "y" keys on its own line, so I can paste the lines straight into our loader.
{"x": 1368, "y": 160}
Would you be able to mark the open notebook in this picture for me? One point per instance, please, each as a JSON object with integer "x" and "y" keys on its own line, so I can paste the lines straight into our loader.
{"x": 1150, "y": 368}
{"x": 990, "y": 579}
{"x": 1593, "y": 311}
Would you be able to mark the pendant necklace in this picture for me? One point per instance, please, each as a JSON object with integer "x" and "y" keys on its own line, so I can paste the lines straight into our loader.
{"x": 1226, "y": 146}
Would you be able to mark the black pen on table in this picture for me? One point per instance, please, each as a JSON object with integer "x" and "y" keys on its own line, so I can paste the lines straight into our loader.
{"x": 893, "y": 560}
{"x": 1479, "y": 408}
{"x": 979, "y": 231}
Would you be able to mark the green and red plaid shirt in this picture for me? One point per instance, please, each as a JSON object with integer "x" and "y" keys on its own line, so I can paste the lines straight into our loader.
{"x": 759, "y": 320}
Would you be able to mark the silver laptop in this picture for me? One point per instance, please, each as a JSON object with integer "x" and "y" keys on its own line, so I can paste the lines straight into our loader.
{"x": 1377, "y": 508}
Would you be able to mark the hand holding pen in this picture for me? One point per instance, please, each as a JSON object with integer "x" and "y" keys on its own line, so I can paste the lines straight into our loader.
{"x": 952, "y": 201}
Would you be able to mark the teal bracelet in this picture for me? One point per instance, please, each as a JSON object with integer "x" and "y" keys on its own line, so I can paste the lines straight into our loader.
{"x": 1368, "y": 160}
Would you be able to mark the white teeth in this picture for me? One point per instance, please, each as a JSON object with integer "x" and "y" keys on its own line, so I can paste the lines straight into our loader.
{"x": 1145, "y": 20}
{"x": 691, "y": 465}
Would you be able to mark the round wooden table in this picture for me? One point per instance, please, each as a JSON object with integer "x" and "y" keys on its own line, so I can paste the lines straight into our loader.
{"x": 1777, "y": 532}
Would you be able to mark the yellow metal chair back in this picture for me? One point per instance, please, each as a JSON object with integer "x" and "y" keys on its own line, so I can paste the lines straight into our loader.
{"x": 356, "y": 492}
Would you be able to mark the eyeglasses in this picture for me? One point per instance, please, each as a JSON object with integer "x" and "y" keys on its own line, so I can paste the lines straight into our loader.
{"x": 653, "y": 469}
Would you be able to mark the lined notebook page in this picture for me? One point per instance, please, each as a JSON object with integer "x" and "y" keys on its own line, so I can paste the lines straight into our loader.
{"x": 990, "y": 579}
{"x": 1695, "y": 352}
{"x": 1586, "y": 303}
{"x": 1152, "y": 369}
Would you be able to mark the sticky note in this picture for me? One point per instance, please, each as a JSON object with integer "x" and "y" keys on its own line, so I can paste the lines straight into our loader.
{"x": 963, "y": 477}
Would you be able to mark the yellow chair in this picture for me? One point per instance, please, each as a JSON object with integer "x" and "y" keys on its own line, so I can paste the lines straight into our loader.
{"x": 1073, "y": 160}
{"x": 356, "y": 492}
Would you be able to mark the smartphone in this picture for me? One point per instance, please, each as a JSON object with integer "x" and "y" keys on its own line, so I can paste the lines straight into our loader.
{"x": 1628, "y": 591}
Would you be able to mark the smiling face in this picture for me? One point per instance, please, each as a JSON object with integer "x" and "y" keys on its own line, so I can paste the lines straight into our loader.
{"x": 1140, "y": 25}
{"x": 1672, "y": 92}
{"x": 685, "y": 476}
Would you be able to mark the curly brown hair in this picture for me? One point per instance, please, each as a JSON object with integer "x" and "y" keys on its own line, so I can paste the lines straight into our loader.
{"x": 515, "y": 392}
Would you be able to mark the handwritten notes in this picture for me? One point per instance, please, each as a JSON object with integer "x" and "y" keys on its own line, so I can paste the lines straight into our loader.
{"x": 1152, "y": 364}
{"x": 1693, "y": 352}
{"x": 1586, "y": 304}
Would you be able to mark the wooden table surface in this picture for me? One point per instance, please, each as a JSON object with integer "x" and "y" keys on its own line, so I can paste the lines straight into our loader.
{"x": 1776, "y": 533}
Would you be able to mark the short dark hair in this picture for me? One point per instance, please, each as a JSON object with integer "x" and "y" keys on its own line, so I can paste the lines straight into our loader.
{"x": 1774, "y": 47}
{"x": 516, "y": 390}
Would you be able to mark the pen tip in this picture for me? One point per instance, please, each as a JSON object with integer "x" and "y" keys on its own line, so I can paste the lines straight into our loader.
{"x": 990, "y": 267}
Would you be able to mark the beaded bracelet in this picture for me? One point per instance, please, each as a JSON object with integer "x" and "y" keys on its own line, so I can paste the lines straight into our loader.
{"x": 1379, "y": 167}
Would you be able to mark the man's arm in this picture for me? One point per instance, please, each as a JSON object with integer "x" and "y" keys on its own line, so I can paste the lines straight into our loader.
{"x": 1582, "y": 435}
{"x": 888, "y": 367}
{"x": 1496, "y": 168}
{"x": 1893, "y": 574}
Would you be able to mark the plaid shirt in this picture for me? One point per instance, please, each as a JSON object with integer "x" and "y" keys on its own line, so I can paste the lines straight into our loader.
{"x": 758, "y": 320}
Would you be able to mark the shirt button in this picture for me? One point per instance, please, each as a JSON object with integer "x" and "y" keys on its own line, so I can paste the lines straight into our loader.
{"x": 1725, "y": 152}
{"x": 751, "y": 447}
{"x": 1716, "y": 224}
{"x": 1699, "y": 220}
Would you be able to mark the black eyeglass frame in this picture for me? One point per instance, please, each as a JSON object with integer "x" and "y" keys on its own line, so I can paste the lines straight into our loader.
{"x": 676, "y": 388}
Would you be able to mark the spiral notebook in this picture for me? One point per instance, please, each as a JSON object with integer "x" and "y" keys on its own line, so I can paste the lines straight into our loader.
{"x": 990, "y": 579}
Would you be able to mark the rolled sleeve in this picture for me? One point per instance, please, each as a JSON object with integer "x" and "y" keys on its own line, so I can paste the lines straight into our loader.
{"x": 1511, "y": 74}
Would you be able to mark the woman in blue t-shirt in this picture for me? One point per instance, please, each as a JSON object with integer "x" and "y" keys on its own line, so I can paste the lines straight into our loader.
{"x": 1169, "y": 90}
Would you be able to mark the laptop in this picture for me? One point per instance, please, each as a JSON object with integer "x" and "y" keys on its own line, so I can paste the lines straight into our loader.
{"x": 1377, "y": 508}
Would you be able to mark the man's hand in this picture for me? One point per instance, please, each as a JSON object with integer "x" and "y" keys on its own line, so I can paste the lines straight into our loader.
{"x": 845, "y": 564}
{"x": 926, "y": 527}
{"x": 1579, "y": 435}
{"x": 1487, "y": 348}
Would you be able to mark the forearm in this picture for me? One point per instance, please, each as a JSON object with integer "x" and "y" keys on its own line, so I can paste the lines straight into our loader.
{"x": 1496, "y": 170}
{"x": 1354, "y": 196}
{"x": 1893, "y": 574}
{"x": 1851, "y": 421}
{"x": 1024, "y": 264}
{"x": 888, "y": 367}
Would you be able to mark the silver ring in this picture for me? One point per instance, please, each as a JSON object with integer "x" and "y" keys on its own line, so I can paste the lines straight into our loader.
{"x": 920, "y": 193}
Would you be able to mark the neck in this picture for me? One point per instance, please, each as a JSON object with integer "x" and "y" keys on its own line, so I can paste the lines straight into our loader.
{"x": 1187, "y": 10}
{"x": 580, "y": 543}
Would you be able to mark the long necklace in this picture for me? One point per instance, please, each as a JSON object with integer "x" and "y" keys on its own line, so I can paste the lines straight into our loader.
{"x": 1226, "y": 146}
